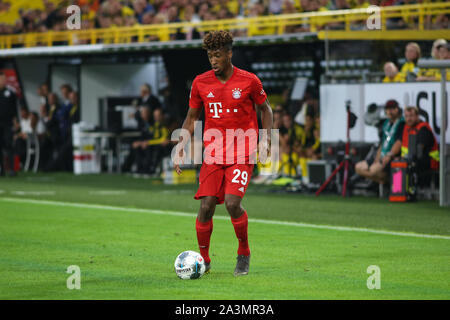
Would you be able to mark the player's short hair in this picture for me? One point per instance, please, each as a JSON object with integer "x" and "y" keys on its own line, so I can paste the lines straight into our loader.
{"x": 216, "y": 40}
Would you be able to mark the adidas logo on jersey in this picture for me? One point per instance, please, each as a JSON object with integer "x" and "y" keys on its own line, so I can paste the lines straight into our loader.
{"x": 210, "y": 95}
{"x": 241, "y": 189}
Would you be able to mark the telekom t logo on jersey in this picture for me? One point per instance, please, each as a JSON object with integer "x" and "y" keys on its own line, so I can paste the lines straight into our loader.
{"x": 216, "y": 108}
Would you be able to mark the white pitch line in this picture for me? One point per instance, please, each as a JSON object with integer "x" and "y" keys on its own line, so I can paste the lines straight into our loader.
{"x": 33, "y": 193}
{"x": 190, "y": 215}
{"x": 108, "y": 192}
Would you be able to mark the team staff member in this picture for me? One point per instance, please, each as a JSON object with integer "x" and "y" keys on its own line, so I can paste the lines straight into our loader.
{"x": 392, "y": 130}
{"x": 427, "y": 149}
{"x": 8, "y": 114}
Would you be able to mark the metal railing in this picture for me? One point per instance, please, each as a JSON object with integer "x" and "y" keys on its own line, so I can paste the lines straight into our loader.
{"x": 444, "y": 169}
{"x": 351, "y": 25}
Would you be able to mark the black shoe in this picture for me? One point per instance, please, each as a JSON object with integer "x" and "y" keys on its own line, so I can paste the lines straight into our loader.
{"x": 242, "y": 265}
{"x": 12, "y": 173}
{"x": 207, "y": 267}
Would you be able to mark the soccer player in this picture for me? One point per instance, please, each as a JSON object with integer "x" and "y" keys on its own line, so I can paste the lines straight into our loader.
{"x": 230, "y": 97}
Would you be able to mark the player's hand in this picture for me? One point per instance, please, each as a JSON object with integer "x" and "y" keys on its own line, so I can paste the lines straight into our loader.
{"x": 179, "y": 161}
{"x": 264, "y": 150}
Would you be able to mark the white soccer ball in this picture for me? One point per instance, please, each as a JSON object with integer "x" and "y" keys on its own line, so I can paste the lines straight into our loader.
{"x": 189, "y": 265}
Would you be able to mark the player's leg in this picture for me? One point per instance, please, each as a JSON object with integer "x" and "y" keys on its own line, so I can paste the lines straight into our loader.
{"x": 239, "y": 219}
{"x": 210, "y": 194}
{"x": 204, "y": 226}
{"x": 237, "y": 178}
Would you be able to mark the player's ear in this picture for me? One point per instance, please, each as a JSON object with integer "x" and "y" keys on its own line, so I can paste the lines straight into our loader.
{"x": 230, "y": 54}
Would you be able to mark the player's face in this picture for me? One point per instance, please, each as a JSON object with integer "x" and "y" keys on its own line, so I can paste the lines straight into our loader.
{"x": 219, "y": 60}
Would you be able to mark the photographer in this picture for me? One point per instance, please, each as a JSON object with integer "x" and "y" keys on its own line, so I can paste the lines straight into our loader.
{"x": 378, "y": 169}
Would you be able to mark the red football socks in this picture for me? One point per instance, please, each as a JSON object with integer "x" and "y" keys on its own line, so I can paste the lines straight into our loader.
{"x": 241, "y": 228}
{"x": 204, "y": 231}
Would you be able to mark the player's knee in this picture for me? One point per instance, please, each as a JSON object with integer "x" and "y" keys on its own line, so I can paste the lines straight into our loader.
{"x": 207, "y": 207}
{"x": 233, "y": 206}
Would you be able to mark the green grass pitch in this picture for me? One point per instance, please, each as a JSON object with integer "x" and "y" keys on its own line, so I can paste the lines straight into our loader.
{"x": 125, "y": 233}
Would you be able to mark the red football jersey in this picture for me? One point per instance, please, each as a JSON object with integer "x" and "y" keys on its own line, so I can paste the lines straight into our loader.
{"x": 228, "y": 107}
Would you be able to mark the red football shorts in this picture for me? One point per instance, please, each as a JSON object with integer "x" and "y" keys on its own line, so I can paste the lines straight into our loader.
{"x": 217, "y": 180}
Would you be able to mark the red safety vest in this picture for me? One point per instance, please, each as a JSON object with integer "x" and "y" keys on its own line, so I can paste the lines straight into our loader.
{"x": 434, "y": 153}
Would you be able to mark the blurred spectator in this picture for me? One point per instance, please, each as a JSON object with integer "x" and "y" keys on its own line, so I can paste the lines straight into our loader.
{"x": 118, "y": 13}
{"x": 63, "y": 116}
{"x": 409, "y": 69}
{"x": 21, "y": 130}
{"x": 43, "y": 92}
{"x": 426, "y": 149}
{"x": 439, "y": 51}
{"x": 377, "y": 169}
{"x": 147, "y": 99}
{"x": 50, "y": 140}
{"x": 8, "y": 115}
{"x": 156, "y": 146}
{"x": 292, "y": 139}
{"x": 391, "y": 73}
{"x": 29, "y": 124}
{"x": 155, "y": 135}
{"x": 311, "y": 149}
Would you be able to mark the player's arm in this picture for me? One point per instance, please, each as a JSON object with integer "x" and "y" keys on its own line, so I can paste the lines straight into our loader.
{"x": 267, "y": 123}
{"x": 266, "y": 115}
{"x": 189, "y": 122}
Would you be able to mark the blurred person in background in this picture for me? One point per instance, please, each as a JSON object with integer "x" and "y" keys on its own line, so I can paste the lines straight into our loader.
{"x": 43, "y": 92}
{"x": 391, "y": 73}
{"x": 311, "y": 149}
{"x": 8, "y": 114}
{"x": 156, "y": 147}
{"x": 292, "y": 139}
{"x": 377, "y": 169}
{"x": 66, "y": 115}
{"x": 51, "y": 137}
{"x": 427, "y": 149}
{"x": 409, "y": 69}
{"x": 147, "y": 99}
{"x": 64, "y": 111}
{"x": 137, "y": 154}
{"x": 30, "y": 124}
{"x": 21, "y": 130}
{"x": 439, "y": 52}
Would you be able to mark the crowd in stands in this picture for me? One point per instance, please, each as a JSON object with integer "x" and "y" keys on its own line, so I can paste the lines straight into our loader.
{"x": 299, "y": 133}
{"x": 410, "y": 72}
{"x": 52, "y": 15}
{"x": 52, "y": 126}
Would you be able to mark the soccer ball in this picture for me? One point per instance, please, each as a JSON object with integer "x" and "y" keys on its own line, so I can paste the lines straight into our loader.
{"x": 189, "y": 265}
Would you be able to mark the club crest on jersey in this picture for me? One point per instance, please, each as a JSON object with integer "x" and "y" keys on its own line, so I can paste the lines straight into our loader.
{"x": 237, "y": 93}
